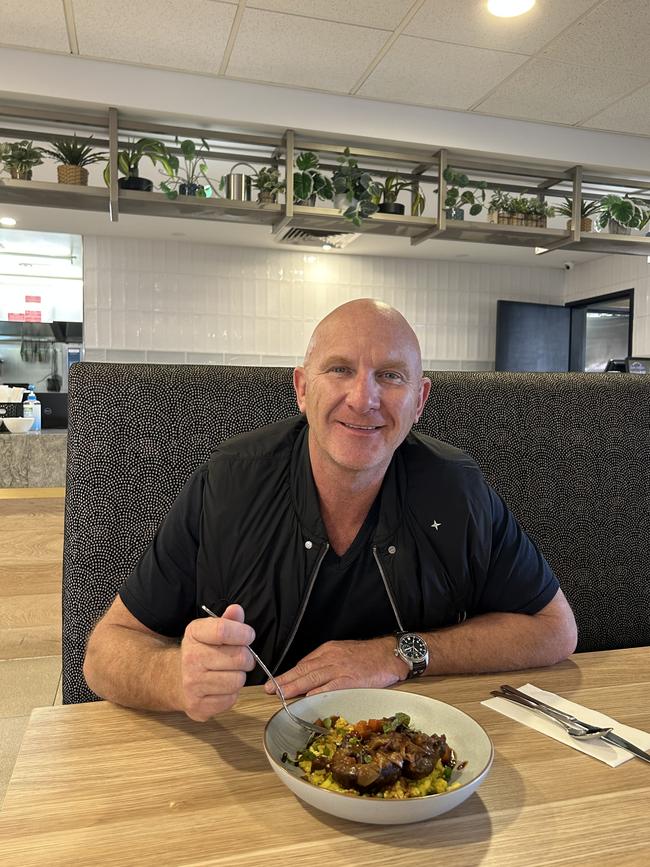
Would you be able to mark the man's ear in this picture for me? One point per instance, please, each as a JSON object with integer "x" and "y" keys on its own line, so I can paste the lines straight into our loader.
{"x": 300, "y": 386}
{"x": 425, "y": 389}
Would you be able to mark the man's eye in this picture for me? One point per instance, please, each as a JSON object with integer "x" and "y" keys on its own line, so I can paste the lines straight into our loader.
{"x": 392, "y": 376}
{"x": 338, "y": 370}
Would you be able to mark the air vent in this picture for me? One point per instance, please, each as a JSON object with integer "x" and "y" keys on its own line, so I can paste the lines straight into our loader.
{"x": 316, "y": 238}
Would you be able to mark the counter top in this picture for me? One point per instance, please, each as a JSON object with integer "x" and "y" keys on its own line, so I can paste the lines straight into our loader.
{"x": 34, "y": 459}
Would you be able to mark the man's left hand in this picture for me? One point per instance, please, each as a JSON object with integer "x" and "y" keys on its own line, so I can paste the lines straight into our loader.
{"x": 343, "y": 665}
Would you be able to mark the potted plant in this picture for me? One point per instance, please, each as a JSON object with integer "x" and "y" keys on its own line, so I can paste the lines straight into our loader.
{"x": 384, "y": 194}
{"x": 519, "y": 210}
{"x": 73, "y": 155}
{"x": 128, "y": 164}
{"x": 309, "y": 183}
{"x": 499, "y": 207}
{"x": 185, "y": 179}
{"x": 268, "y": 184}
{"x": 621, "y": 214}
{"x": 19, "y": 158}
{"x": 587, "y": 210}
{"x": 353, "y": 189}
{"x": 463, "y": 191}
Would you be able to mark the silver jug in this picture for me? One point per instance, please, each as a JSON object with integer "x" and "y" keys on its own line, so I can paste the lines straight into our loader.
{"x": 239, "y": 186}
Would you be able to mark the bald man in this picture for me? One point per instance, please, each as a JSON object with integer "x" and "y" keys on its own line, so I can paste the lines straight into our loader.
{"x": 348, "y": 550}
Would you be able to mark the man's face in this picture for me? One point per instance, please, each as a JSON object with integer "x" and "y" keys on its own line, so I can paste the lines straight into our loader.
{"x": 361, "y": 388}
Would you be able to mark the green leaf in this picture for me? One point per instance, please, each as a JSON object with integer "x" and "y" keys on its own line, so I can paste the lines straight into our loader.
{"x": 303, "y": 186}
{"x": 188, "y": 148}
{"x": 476, "y": 209}
{"x": 306, "y": 160}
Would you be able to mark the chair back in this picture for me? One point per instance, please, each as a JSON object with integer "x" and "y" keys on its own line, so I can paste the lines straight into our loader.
{"x": 568, "y": 452}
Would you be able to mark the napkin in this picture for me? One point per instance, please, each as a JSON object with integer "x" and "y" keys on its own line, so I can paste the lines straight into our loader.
{"x": 599, "y": 749}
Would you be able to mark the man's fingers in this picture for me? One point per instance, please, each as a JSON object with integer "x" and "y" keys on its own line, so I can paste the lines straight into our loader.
{"x": 226, "y": 657}
{"x": 222, "y": 630}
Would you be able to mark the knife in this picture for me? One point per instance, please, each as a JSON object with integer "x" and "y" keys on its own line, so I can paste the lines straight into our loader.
{"x": 509, "y": 692}
{"x": 618, "y": 741}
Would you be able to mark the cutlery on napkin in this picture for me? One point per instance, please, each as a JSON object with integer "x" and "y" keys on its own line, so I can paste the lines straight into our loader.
{"x": 599, "y": 749}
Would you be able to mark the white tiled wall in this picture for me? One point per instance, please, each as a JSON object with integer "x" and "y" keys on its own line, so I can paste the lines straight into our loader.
{"x": 615, "y": 274}
{"x": 195, "y": 303}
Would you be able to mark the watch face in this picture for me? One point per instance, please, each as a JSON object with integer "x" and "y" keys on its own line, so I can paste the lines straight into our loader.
{"x": 413, "y": 647}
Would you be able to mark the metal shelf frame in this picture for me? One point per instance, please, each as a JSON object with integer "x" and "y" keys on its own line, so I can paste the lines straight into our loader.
{"x": 110, "y": 130}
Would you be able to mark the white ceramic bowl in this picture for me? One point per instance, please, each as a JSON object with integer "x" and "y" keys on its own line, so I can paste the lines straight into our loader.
{"x": 468, "y": 739}
{"x": 18, "y": 425}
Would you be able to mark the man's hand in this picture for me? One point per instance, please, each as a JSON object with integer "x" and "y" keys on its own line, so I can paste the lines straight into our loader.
{"x": 343, "y": 665}
{"x": 214, "y": 659}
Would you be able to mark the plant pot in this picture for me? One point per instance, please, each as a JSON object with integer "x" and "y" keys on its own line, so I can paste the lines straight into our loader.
{"x": 307, "y": 203}
{"x": 21, "y": 176}
{"x": 454, "y": 213}
{"x": 75, "y": 175}
{"x": 189, "y": 189}
{"x": 142, "y": 184}
{"x": 586, "y": 224}
{"x": 537, "y": 222}
{"x": 264, "y": 197}
{"x": 492, "y": 217}
{"x": 616, "y": 228}
{"x": 391, "y": 208}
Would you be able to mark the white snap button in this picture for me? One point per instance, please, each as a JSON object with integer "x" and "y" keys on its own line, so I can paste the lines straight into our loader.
{"x": 392, "y": 549}
{"x": 309, "y": 545}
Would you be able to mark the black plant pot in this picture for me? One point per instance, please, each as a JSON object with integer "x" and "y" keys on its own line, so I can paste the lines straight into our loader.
{"x": 391, "y": 208}
{"x": 455, "y": 213}
{"x": 142, "y": 184}
{"x": 189, "y": 189}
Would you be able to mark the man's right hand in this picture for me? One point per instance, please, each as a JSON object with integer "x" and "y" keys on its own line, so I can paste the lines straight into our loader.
{"x": 214, "y": 659}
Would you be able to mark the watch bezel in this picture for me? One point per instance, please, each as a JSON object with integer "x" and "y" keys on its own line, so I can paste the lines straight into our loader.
{"x": 417, "y": 665}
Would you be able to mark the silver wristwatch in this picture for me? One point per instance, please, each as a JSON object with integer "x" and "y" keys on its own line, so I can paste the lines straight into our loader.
{"x": 412, "y": 648}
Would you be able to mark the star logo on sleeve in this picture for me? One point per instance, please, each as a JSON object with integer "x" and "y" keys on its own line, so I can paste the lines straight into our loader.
{"x": 436, "y": 525}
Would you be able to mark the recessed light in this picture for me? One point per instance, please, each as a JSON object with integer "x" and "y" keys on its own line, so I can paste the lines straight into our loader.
{"x": 540, "y": 250}
{"x": 7, "y": 221}
{"x": 327, "y": 246}
{"x": 509, "y": 8}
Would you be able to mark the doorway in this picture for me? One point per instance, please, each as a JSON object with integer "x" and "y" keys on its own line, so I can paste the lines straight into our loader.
{"x": 601, "y": 330}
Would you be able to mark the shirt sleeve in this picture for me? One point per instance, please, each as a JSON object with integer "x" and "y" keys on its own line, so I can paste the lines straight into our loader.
{"x": 161, "y": 590}
{"x": 519, "y": 579}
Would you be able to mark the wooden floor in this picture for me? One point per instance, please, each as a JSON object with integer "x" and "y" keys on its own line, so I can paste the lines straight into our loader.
{"x": 31, "y": 550}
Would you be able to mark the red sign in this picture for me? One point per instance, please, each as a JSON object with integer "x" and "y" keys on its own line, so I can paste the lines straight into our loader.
{"x": 16, "y": 317}
{"x": 32, "y": 299}
{"x": 32, "y": 316}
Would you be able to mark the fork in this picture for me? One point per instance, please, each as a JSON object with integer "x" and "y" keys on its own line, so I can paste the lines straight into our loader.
{"x": 566, "y": 720}
{"x": 310, "y": 727}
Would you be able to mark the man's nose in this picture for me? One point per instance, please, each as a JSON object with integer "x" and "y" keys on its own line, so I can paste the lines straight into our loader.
{"x": 363, "y": 395}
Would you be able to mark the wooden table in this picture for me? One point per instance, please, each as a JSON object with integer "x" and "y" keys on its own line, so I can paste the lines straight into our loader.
{"x": 96, "y": 784}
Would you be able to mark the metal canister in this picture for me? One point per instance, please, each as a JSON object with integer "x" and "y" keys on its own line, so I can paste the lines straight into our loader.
{"x": 239, "y": 185}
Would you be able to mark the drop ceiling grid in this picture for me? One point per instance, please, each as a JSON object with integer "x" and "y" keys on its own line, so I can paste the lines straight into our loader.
{"x": 425, "y": 72}
{"x": 189, "y": 36}
{"x": 304, "y": 52}
{"x": 36, "y": 24}
{"x": 382, "y": 14}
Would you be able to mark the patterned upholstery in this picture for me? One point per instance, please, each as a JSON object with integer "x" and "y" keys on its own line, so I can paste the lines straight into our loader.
{"x": 569, "y": 453}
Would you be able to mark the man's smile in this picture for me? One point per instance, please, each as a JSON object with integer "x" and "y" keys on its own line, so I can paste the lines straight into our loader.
{"x": 361, "y": 427}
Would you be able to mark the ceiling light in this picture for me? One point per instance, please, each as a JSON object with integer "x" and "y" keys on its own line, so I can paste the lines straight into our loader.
{"x": 509, "y": 8}
{"x": 327, "y": 246}
{"x": 7, "y": 221}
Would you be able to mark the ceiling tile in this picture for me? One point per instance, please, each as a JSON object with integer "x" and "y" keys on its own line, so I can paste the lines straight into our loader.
{"x": 630, "y": 114}
{"x": 469, "y": 23}
{"x": 34, "y": 24}
{"x": 425, "y": 72}
{"x": 546, "y": 90}
{"x": 189, "y": 36}
{"x": 304, "y": 52}
{"x": 384, "y": 14}
{"x": 614, "y": 34}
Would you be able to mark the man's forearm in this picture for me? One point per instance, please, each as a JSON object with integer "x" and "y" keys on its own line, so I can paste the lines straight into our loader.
{"x": 498, "y": 642}
{"x": 133, "y": 669}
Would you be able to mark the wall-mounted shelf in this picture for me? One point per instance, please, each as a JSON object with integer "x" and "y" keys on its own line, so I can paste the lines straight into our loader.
{"x": 544, "y": 180}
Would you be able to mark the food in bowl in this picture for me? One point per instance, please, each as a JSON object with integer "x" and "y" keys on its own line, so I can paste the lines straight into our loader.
{"x": 467, "y": 738}
{"x": 383, "y": 758}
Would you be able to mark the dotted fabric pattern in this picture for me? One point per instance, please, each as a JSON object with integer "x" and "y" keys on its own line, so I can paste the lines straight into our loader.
{"x": 568, "y": 452}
